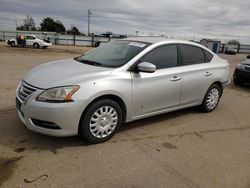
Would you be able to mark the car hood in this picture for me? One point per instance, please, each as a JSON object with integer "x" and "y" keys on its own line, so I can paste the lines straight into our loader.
{"x": 246, "y": 62}
{"x": 64, "y": 72}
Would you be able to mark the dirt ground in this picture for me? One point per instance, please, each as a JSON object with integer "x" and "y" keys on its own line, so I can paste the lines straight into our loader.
{"x": 182, "y": 149}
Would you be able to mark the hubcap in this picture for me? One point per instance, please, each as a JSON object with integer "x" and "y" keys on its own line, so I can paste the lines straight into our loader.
{"x": 213, "y": 98}
{"x": 103, "y": 122}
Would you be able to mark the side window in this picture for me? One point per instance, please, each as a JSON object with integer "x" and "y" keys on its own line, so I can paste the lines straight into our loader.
{"x": 162, "y": 57}
{"x": 208, "y": 56}
{"x": 192, "y": 55}
{"x": 30, "y": 38}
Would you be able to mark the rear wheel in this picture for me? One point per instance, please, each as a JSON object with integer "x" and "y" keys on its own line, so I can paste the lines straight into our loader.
{"x": 36, "y": 45}
{"x": 101, "y": 121}
{"x": 211, "y": 98}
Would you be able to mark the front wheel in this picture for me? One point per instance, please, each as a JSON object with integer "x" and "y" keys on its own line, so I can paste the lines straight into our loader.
{"x": 35, "y": 45}
{"x": 211, "y": 98}
{"x": 101, "y": 121}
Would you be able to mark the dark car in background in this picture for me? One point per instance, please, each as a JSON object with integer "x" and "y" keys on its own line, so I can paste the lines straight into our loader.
{"x": 242, "y": 72}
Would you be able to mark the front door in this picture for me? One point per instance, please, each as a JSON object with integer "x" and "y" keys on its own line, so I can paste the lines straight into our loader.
{"x": 154, "y": 92}
{"x": 215, "y": 47}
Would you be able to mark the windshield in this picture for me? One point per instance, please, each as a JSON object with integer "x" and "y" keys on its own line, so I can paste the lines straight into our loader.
{"x": 113, "y": 54}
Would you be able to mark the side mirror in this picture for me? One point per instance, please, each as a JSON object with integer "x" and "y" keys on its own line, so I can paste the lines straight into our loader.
{"x": 146, "y": 67}
{"x": 248, "y": 57}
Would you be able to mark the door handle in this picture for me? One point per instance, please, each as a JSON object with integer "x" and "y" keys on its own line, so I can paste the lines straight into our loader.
{"x": 175, "y": 78}
{"x": 208, "y": 74}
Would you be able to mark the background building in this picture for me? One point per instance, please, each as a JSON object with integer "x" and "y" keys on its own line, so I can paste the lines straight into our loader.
{"x": 213, "y": 45}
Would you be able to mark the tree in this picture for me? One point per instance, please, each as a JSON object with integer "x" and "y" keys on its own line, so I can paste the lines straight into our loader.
{"x": 73, "y": 30}
{"x": 236, "y": 42}
{"x": 107, "y": 34}
{"x": 28, "y": 24}
{"x": 48, "y": 24}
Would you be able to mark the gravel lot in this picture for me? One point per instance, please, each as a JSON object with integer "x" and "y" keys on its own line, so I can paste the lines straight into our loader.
{"x": 182, "y": 149}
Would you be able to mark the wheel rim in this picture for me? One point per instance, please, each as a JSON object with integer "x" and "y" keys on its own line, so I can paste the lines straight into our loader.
{"x": 103, "y": 122}
{"x": 213, "y": 98}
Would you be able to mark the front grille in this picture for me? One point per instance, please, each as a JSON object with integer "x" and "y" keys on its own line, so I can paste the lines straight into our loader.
{"x": 25, "y": 91}
{"x": 247, "y": 68}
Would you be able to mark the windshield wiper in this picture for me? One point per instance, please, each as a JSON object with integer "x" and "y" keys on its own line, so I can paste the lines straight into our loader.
{"x": 88, "y": 62}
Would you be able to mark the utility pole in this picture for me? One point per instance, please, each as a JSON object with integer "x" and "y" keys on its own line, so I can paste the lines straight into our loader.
{"x": 89, "y": 13}
{"x": 16, "y": 23}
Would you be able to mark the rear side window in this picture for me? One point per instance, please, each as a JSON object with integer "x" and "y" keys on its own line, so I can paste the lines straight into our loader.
{"x": 208, "y": 56}
{"x": 162, "y": 57}
{"x": 192, "y": 55}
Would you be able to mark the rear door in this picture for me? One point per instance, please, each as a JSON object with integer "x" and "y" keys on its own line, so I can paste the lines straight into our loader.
{"x": 159, "y": 90}
{"x": 197, "y": 74}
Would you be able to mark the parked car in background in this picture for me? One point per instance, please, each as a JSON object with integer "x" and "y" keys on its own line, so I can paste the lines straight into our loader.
{"x": 31, "y": 40}
{"x": 231, "y": 51}
{"x": 121, "y": 81}
{"x": 242, "y": 72}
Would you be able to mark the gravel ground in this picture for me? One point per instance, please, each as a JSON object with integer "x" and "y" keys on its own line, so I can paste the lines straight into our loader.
{"x": 182, "y": 149}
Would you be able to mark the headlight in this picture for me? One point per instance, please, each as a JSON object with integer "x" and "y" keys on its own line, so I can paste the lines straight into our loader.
{"x": 241, "y": 66}
{"x": 59, "y": 94}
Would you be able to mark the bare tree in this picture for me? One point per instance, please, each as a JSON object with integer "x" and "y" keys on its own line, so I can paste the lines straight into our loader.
{"x": 28, "y": 24}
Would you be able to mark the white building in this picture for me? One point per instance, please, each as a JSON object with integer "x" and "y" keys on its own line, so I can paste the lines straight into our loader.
{"x": 213, "y": 45}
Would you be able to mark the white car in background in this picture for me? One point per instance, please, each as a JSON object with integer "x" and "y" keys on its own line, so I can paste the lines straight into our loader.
{"x": 32, "y": 40}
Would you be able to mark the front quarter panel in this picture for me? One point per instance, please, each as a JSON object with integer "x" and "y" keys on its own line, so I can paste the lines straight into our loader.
{"x": 118, "y": 83}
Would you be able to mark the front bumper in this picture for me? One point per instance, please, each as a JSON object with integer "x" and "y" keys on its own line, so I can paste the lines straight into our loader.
{"x": 65, "y": 115}
{"x": 45, "y": 44}
{"x": 231, "y": 52}
{"x": 241, "y": 75}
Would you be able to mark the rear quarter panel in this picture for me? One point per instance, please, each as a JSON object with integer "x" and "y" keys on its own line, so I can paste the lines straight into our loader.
{"x": 221, "y": 69}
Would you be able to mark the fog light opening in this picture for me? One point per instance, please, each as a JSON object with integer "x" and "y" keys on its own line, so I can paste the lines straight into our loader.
{"x": 45, "y": 124}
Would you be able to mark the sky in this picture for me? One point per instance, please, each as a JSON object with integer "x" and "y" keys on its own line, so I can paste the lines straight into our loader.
{"x": 185, "y": 19}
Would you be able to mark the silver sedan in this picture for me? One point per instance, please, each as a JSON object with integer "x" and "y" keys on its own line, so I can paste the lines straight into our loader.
{"x": 121, "y": 81}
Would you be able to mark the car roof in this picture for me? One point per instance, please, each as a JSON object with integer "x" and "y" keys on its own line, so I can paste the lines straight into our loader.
{"x": 30, "y": 35}
{"x": 154, "y": 40}
{"x": 147, "y": 39}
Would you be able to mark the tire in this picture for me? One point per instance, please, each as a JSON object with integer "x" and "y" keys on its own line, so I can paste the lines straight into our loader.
{"x": 13, "y": 44}
{"x": 212, "y": 98}
{"x": 96, "y": 129}
{"x": 36, "y": 45}
{"x": 238, "y": 82}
